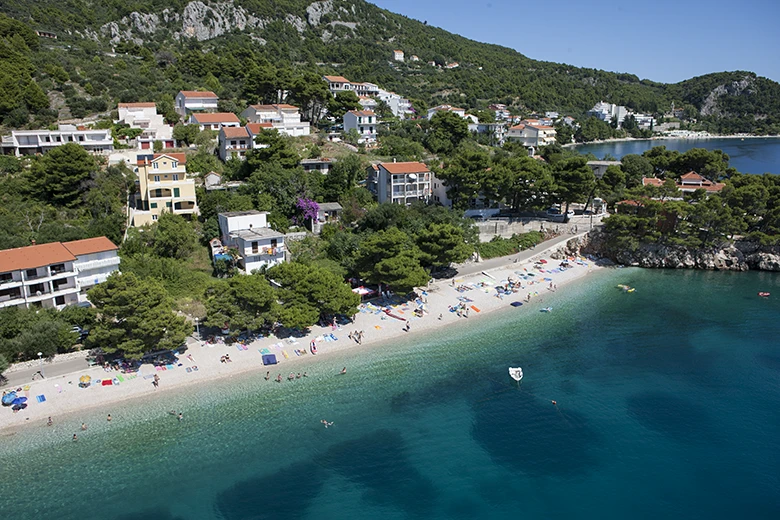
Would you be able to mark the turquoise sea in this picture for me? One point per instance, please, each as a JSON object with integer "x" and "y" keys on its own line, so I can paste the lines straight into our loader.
{"x": 667, "y": 407}
{"x": 752, "y": 155}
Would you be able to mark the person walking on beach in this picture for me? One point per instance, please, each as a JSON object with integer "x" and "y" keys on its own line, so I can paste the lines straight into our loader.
{"x": 268, "y": 375}
{"x": 155, "y": 384}
{"x": 279, "y": 378}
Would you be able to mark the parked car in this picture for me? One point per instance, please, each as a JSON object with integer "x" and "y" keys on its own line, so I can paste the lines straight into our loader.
{"x": 555, "y": 214}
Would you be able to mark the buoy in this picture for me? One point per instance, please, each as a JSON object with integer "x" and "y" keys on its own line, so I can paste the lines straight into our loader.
{"x": 555, "y": 403}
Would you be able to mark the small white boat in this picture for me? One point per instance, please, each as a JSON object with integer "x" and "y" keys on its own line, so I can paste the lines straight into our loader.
{"x": 516, "y": 373}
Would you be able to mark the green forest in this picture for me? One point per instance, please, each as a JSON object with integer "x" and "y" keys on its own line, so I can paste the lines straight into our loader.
{"x": 83, "y": 71}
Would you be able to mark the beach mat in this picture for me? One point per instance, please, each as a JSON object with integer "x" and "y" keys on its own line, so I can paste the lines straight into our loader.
{"x": 475, "y": 308}
{"x": 40, "y": 398}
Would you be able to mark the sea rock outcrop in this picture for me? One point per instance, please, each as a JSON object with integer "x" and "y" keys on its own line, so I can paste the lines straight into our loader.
{"x": 739, "y": 256}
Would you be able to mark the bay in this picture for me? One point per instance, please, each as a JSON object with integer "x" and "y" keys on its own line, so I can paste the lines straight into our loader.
{"x": 751, "y": 155}
{"x": 667, "y": 403}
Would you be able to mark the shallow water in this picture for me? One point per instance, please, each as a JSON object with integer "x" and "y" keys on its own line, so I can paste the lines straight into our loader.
{"x": 667, "y": 402}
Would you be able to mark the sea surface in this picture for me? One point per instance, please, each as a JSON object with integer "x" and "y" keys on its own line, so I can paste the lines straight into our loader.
{"x": 667, "y": 407}
{"x": 752, "y": 155}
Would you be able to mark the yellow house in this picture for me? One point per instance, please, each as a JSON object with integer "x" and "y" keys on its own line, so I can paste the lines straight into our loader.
{"x": 163, "y": 186}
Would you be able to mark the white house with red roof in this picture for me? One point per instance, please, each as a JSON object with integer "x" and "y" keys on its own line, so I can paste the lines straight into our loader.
{"x": 692, "y": 181}
{"x": 363, "y": 122}
{"x": 214, "y": 120}
{"x": 531, "y": 135}
{"x": 188, "y": 101}
{"x": 337, "y": 84}
{"x": 398, "y": 55}
{"x": 145, "y": 117}
{"x": 285, "y": 119}
{"x": 447, "y": 108}
{"x": 234, "y": 142}
{"x": 55, "y": 275}
{"x": 400, "y": 182}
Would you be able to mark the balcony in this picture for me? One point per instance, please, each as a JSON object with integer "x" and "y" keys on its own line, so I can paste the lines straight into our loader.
{"x": 96, "y": 264}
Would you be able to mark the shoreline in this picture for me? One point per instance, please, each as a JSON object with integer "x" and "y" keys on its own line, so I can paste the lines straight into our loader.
{"x": 669, "y": 138}
{"x": 64, "y": 398}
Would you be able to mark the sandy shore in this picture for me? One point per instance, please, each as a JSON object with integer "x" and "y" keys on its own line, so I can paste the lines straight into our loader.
{"x": 65, "y": 397}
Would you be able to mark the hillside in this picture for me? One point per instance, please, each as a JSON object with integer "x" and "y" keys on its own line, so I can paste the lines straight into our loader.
{"x": 109, "y": 51}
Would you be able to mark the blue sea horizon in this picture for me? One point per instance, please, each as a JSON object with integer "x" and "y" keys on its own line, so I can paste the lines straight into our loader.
{"x": 666, "y": 406}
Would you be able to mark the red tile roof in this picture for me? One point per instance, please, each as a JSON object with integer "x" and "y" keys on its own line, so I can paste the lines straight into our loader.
{"x": 136, "y": 105}
{"x": 198, "y": 94}
{"x": 180, "y": 157}
{"x": 255, "y": 128}
{"x": 652, "y": 181}
{"x": 89, "y": 246}
{"x": 362, "y": 113}
{"x": 336, "y": 79}
{"x": 31, "y": 257}
{"x": 405, "y": 167}
{"x": 233, "y": 132}
{"x": 218, "y": 117}
{"x": 274, "y": 107}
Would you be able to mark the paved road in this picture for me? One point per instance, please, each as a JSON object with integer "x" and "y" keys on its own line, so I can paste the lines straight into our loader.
{"x": 477, "y": 267}
{"x": 50, "y": 370}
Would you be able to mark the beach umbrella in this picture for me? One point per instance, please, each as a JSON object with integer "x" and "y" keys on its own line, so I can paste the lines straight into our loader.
{"x": 19, "y": 400}
{"x": 85, "y": 379}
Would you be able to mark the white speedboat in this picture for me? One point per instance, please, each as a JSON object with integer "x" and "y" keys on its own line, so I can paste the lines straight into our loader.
{"x": 516, "y": 373}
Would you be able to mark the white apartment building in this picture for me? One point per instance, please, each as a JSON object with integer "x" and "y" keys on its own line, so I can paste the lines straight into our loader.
{"x": 531, "y": 135}
{"x": 195, "y": 101}
{"x": 286, "y": 119}
{"x": 215, "y": 120}
{"x": 247, "y": 232}
{"x": 398, "y": 55}
{"x": 31, "y": 142}
{"x": 55, "y": 275}
{"x": 338, "y": 84}
{"x": 400, "y": 182}
{"x": 399, "y": 106}
{"x": 234, "y": 142}
{"x": 363, "y": 122}
{"x": 447, "y": 108}
{"x": 608, "y": 111}
{"x": 145, "y": 117}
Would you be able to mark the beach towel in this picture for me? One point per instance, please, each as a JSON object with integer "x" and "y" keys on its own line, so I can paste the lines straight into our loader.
{"x": 107, "y": 382}
{"x": 40, "y": 398}
{"x": 169, "y": 367}
{"x": 285, "y": 354}
{"x": 333, "y": 338}
{"x": 264, "y": 351}
{"x": 377, "y": 327}
{"x": 475, "y": 308}
{"x": 120, "y": 379}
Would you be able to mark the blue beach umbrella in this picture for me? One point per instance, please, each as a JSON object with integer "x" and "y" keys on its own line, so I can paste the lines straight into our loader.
{"x": 19, "y": 400}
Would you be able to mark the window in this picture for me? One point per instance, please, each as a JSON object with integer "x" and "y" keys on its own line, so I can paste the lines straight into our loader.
{"x": 155, "y": 166}
{"x": 81, "y": 138}
{"x": 176, "y": 177}
{"x": 153, "y": 205}
{"x": 70, "y": 138}
{"x": 46, "y": 139}
{"x": 6, "y": 277}
{"x": 174, "y": 164}
{"x": 154, "y": 217}
{"x": 176, "y": 192}
{"x": 168, "y": 204}
{"x": 156, "y": 178}
{"x": 273, "y": 242}
{"x": 233, "y": 143}
{"x": 158, "y": 192}
{"x": 254, "y": 247}
{"x": 59, "y": 300}
{"x": 32, "y": 273}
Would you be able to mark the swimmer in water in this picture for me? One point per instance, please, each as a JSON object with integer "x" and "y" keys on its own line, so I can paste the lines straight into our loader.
{"x": 555, "y": 403}
{"x": 344, "y": 370}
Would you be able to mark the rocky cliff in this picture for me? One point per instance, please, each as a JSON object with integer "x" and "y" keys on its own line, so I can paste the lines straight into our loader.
{"x": 739, "y": 256}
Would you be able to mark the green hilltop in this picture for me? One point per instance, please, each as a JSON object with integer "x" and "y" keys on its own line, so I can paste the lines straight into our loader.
{"x": 125, "y": 50}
